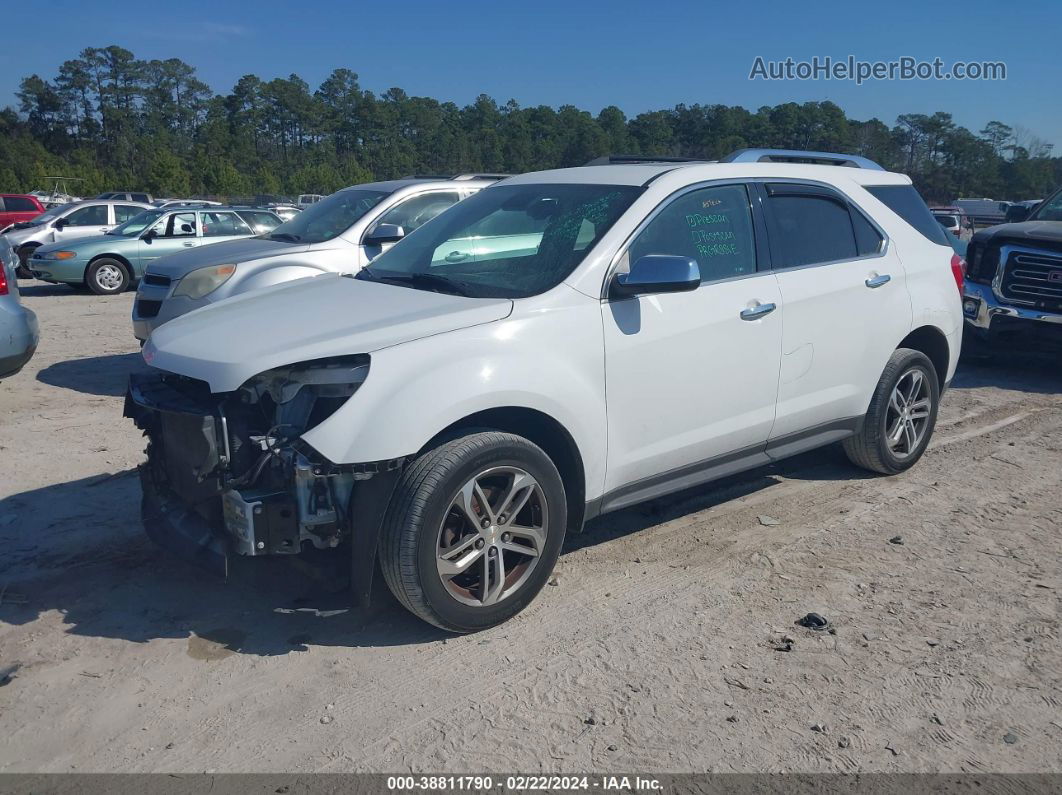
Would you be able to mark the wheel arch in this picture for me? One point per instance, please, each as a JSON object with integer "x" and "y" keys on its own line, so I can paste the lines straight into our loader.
{"x": 931, "y": 341}
{"x": 540, "y": 429}
{"x": 125, "y": 263}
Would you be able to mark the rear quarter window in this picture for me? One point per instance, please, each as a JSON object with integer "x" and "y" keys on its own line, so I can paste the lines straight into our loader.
{"x": 906, "y": 203}
{"x": 20, "y": 204}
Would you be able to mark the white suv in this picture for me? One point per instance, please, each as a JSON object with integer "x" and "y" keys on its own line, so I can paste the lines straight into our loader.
{"x": 560, "y": 345}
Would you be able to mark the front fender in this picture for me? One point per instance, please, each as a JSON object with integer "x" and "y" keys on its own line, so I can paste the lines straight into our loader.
{"x": 546, "y": 359}
{"x": 270, "y": 276}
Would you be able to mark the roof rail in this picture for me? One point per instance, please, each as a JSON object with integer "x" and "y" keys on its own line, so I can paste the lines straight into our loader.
{"x": 480, "y": 176}
{"x": 613, "y": 160}
{"x": 427, "y": 176}
{"x": 797, "y": 156}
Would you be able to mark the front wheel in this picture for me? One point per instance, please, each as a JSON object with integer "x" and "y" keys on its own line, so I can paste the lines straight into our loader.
{"x": 22, "y": 270}
{"x": 107, "y": 277}
{"x": 474, "y": 530}
{"x": 902, "y": 414}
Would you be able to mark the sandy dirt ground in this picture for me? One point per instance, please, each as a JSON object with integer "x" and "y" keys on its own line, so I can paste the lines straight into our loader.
{"x": 667, "y": 644}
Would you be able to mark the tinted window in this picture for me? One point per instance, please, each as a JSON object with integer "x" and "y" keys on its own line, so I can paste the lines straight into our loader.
{"x": 811, "y": 229}
{"x": 88, "y": 216}
{"x": 547, "y": 230}
{"x": 868, "y": 239}
{"x": 948, "y": 221}
{"x": 123, "y": 212}
{"x": 712, "y": 226}
{"x": 20, "y": 204}
{"x": 261, "y": 222}
{"x": 139, "y": 197}
{"x": 418, "y": 210}
{"x": 906, "y": 203}
{"x": 223, "y": 225}
{"x": 1050, "y": 210}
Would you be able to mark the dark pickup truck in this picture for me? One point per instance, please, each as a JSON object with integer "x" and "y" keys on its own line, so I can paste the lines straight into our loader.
{"x": 1014, "y": 276}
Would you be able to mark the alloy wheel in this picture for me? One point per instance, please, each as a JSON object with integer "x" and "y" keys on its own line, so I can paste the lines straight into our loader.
{"x": 109, "y": 277}
{"x": 907, "y": 418}
{"x": 492, "y": 536}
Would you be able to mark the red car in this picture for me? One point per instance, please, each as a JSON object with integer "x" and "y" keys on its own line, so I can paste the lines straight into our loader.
{"x": 16, "y": 207}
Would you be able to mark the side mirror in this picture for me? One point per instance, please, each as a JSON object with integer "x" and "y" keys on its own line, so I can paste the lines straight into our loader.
{"x": 657, "y": 273}
{"x": 60, "y": 223}
{"x": 1017, "y": 213}
{"x": 150, "y": 235}
{"x": 384, "y": 233}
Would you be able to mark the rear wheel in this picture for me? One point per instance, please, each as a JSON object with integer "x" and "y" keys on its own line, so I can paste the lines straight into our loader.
{"x": 474, "y": 530}
{"x": 106, "y": 277}
{"x": 902, "y": 414}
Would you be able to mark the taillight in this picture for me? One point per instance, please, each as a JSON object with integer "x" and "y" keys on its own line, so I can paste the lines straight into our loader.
{"x": 958, "y": 270}
{"x": 3, "y": 279}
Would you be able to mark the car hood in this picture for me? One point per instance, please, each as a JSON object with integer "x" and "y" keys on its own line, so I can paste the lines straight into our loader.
{"x": 1029, "y": 231}
{"x": 227, "y": 252}
{"x": 227, "y": 342}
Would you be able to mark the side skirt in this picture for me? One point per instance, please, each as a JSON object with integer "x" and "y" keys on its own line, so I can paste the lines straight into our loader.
{"x": 723, "y": 466}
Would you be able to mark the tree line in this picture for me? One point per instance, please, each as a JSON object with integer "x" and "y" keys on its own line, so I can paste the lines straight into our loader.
{"x": 118, "y": 122}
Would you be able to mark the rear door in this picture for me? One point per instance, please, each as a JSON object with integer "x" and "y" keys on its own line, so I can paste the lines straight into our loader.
{"x": 216, "y": 226}
{"x": 846, "y": 308}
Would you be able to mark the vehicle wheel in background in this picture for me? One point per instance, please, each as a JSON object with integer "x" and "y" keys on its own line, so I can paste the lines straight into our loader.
{"x": 106, "y": 276}
{"x": 24, "y": 253}
{"x": 901, "y": 418}
{"x": 473, "y": 530}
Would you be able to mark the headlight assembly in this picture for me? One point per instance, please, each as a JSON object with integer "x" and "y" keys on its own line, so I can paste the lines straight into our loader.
{"x": 204, "y": 281}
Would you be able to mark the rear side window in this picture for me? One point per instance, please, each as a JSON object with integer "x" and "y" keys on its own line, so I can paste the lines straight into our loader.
{"x": 868, "y": 239}
{"x": 810, "y": 230}
{"x": 223, "y": 225}
{"x": 123, "y": 212}
{"x": 19, "y": 204}
{"x": 906, "y": 203}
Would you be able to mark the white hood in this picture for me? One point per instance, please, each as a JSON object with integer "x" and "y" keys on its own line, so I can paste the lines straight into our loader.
{"x": 226, "y": 343}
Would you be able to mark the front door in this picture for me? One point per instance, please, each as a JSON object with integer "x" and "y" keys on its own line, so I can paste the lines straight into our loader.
{"x": 83, "y": 222}
{"x": 173, "y": 232}
{"x": 692, "y": 378}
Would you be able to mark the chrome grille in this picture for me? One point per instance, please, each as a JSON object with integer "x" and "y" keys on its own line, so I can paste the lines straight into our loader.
{"x": 1033, "y": 278}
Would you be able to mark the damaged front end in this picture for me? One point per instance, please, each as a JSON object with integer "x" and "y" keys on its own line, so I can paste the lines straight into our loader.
{"x": 228, "y": 473}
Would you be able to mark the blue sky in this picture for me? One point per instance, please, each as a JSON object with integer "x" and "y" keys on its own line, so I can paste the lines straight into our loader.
{"x": 638, "y": 56}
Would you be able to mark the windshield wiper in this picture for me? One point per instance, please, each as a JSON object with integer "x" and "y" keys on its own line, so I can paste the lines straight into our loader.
{"x": 285, "y": 236}
{"x": 429, "y": 281}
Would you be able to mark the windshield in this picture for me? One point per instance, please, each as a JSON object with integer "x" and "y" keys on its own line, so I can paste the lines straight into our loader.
{"x": 1050, "y": 210}
{"x": 49, "y": 214}
{"x": 137, "y": 224}
{"x": 508, "y": 241}
{"x": 329, "y": 217}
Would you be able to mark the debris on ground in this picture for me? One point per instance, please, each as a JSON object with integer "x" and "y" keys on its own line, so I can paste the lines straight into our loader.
{"x": 1010, "y": 738}
{"x": 768, "y": 521}
{"x": 312, "y": 610}
{"x": 821, "y": 728}
{"x": 554, "y": 581}
{"x": 326, "y": 719}
{"x": 897, "y": 540}
{"x": 843, "y": 742}
{"x": 814, "y": 621}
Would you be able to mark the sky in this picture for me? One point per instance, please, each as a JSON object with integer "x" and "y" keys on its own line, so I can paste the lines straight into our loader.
{"x": 637, "y": 56}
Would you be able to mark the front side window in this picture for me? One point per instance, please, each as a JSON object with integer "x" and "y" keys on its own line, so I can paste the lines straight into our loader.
{"x": 509, "y": 241}
{"x": 418, "y": 210}
{"x": 1050, "y": 210}
{"x": 178, "y": 225}
{"x": 711, "y": 225}
{"x": 138, "y": 223}
{"x": 95, "y": 215}
{"x": 329, "y": 217}
{"x": 223, "y": 225}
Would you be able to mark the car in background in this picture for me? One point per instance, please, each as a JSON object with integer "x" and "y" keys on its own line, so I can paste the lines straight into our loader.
{"x": 110, "y": 263}
{"x": 143, "y": 198}
{"x": 68, "y": 222}
{"x": 1020, "y": 211}
{"x": 18, "y": 207}
{"x": 285, "y": 211}
{"x": 307, "y": 199}
{"x": 1014, "y": 278}
{"x": 339, "y": 234}
{"x": 18, "y": 325}
{"x": 165, "y": 204}
{"x": 983, "y": 212}
{"x": 955, "y": 221}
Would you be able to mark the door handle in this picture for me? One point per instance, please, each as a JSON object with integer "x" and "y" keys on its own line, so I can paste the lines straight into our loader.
{"x": 189, "y": 245}
{"x": 104, "y": 228}
{"x": 758, "y": 311}
{"x": 456, "y": 256}
{"x": 878, "y": 281}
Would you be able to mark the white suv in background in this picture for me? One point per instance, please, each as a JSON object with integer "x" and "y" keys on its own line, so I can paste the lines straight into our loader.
{"x": 338, "y": 234}
{"x": 68, "y": 222}
{"x": 560, "y": 345}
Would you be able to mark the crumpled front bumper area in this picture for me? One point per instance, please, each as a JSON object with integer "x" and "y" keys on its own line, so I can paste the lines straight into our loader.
{"x": 181, "y": 505}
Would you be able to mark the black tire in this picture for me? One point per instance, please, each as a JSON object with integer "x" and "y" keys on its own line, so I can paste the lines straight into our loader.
{"x": 869, "y": 448}
{"x": 106, "y": 276}
{"x": 24, "y": 253}
{"x": 423, "y": 500}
